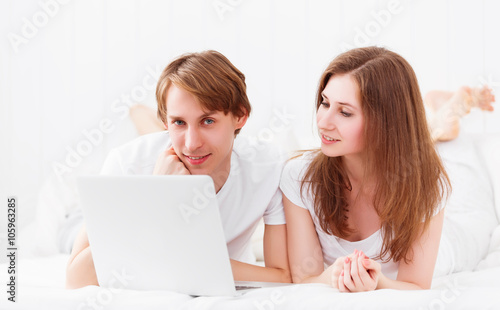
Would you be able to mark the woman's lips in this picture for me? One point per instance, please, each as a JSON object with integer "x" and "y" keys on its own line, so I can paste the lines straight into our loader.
{"x": 328, "y": 140}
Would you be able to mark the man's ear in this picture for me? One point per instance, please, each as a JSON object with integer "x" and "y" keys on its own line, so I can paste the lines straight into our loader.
{"x": 241, "y": 121}
{"x": 165, "y": 125}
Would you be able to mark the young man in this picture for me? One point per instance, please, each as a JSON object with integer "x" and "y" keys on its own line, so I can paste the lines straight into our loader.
{"x": 202, "y": 103}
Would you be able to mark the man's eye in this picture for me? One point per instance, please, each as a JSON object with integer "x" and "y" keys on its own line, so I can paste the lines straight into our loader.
{"x": 178, "y": 123}
{"x": 209, "y": 121}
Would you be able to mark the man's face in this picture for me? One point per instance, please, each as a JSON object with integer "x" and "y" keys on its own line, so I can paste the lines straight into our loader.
{"x": 203, "y": 140}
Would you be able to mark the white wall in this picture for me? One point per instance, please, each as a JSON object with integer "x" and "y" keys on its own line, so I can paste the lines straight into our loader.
{"x": 85, "y": 57}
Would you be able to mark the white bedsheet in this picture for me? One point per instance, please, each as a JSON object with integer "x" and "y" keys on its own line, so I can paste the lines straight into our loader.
{"x": 41, "y": 279}
{"x": 41, "y": 286}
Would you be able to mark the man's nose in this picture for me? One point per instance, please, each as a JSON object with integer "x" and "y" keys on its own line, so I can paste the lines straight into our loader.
{"x": 193, "y": 139}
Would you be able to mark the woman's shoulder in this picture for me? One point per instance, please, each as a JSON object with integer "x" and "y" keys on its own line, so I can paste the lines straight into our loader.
{"x": 297, "y": 165}
{"x": 303, "y": 157}
{"x": 292, "y": 178}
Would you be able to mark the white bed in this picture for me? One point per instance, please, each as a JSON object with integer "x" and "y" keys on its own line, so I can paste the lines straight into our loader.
{"x": 42, "y": 287}
{"x": 473, "y": 162}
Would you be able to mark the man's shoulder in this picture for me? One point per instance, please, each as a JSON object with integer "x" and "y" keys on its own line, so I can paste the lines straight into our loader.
{"x": 257, "y": 162}
{"x": 142, "y": 152}
{"x": 146, "y": 142}
{"x": 258, "y": 153}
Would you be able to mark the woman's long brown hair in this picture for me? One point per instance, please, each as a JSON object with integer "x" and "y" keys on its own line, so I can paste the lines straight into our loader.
{"x": 410, "y": 178}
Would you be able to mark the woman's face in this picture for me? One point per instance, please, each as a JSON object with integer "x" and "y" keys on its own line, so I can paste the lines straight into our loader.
{"x": 340, "y": 118}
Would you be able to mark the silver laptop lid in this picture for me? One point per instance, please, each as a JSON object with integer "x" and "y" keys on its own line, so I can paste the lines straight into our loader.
{"x": 157, "y": 232}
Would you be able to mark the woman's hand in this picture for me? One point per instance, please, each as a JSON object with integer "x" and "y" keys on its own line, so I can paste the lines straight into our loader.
{"x": 169, "y": 163}
{"x": 333, "y": 272}
{"x": 359, "y": 273}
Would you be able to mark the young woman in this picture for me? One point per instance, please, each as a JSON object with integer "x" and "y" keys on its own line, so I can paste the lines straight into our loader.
{"x": 367, "y": 204}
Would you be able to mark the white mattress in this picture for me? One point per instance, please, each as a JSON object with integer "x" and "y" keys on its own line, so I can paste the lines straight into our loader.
{"x": 41, "y": 286}
{"x": 41, "y": 279}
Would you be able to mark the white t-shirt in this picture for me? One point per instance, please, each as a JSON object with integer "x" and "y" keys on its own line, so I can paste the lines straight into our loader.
{"x": 250, "y": 192}
{"x": 333, "y": 247}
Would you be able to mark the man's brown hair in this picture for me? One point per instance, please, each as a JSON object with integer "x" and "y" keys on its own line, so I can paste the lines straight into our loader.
{"x": 211, "y": 78}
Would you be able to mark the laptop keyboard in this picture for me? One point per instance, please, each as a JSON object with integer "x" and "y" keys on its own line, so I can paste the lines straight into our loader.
{"x": 245, "y": 287}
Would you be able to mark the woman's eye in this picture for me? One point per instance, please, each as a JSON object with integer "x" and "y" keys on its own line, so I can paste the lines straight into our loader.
{"x": 178, "y": 123}
{"x": 325, "y": 104}
{"x": 346, "y": 114}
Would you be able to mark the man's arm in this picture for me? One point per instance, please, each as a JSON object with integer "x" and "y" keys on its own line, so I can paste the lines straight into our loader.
{"x": 80, "y": 270}
{"x": 275, "y": 258}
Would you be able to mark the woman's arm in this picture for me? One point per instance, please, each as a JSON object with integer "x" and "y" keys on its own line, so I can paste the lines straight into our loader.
{"x": 360, "y": 274}
{"x": 275, "y": 258}
{"x": 80, "y": 270}
{"x": 304, "y": 249}
{"x": 418, "y": 273}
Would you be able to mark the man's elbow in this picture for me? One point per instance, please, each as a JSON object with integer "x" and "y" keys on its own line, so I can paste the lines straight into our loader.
{"x": 71, "y": 278}
{"x": 286, "y": 276}
{"x": 80, "y": 271}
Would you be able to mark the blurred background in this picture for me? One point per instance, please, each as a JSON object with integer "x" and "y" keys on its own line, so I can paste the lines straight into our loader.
{"x": 70, "y": 69}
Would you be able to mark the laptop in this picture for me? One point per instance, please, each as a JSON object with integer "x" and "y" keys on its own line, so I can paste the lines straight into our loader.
{"x": 158, "y": 233}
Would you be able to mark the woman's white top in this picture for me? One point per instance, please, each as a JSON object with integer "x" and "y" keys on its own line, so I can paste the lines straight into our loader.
{"x": 333, "y": 247}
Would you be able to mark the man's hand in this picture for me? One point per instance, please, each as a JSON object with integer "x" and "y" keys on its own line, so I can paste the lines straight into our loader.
{"x": 168, "y": 163}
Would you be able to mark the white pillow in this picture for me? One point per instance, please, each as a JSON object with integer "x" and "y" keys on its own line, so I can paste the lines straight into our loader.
{"x": 488, "y": 147}
{"x": 470, "y": 216}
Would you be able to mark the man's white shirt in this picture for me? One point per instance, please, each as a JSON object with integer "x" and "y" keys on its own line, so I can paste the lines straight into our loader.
{"x": 251, "y": 191}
